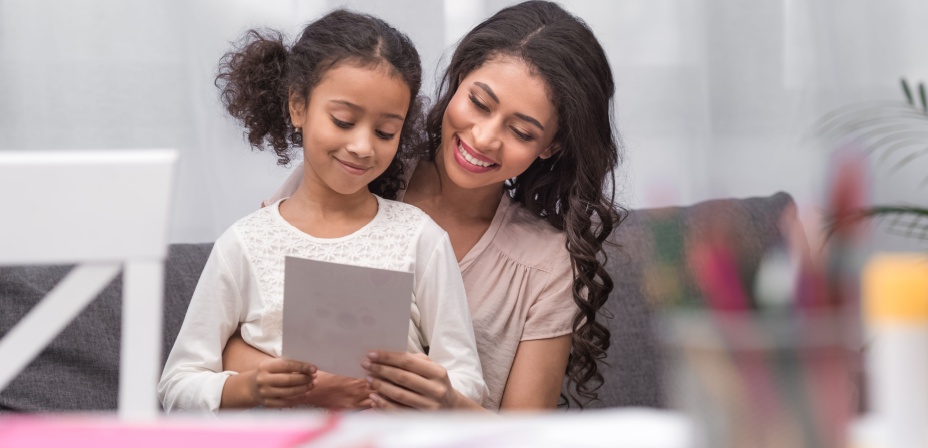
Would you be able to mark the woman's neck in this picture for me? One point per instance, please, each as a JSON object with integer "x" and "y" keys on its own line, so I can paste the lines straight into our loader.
{"x": 430, "y": 184}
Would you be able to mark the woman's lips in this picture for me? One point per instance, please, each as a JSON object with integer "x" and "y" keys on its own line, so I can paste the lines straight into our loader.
{"x": 471, "y": 160}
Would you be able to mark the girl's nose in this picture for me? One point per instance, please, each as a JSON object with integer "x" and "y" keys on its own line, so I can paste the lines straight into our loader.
{"x": 361, "y": 144}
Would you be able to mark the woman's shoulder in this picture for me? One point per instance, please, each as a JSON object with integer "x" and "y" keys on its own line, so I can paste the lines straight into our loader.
{"x": 531, "y": 240}
{"x": 408, "y": 218}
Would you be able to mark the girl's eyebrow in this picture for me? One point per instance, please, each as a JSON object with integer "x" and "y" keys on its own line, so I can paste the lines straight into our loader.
{"x": 357, "y": 108}
{"x": 492, "y": 95}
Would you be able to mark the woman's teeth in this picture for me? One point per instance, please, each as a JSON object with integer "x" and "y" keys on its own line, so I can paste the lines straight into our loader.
{"x": 470, "y": 158}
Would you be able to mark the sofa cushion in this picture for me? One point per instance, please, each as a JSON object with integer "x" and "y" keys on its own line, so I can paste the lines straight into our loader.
{"x": 648, "y": 237}
{"x": 79, "y": 370}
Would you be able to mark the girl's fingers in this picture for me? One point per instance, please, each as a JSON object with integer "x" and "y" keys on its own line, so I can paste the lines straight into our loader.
{"x": 399, "y": 395}
{"x": 284, "y": 379}
{"x": 284, "y": 365}
{"x": 420, "y": 365}
{"x": 384, "y": 404}
{"x": 401, "y": 378}
{"x": 283, "y": 392}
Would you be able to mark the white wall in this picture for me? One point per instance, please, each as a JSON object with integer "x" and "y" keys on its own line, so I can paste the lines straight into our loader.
{"x": 714, "y": 97}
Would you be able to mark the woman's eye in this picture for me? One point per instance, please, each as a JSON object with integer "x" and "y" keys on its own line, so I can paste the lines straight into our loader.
{"x": 477, "y": 103}
{"x": 385, "y": 136}
{"x": 523, "y": 136}
{"x": 342, "y": 124}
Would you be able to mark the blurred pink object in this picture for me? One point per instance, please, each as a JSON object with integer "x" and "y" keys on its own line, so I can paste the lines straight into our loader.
{"x": 102, "y": 432}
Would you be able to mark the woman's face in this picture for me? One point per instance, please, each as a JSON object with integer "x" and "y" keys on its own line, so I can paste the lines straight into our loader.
{"x": 497, "y": 123}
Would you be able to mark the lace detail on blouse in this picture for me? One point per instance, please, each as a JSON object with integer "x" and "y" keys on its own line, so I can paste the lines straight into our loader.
{"x": 383, "y": 243}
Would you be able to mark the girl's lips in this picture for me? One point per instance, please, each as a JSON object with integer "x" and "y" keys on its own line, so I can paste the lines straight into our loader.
{"x": 352, "y": 168}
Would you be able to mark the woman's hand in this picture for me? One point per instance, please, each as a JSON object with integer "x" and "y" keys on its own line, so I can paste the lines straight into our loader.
{"x": 411, "y": 381}
{"x": 339, "y": 393}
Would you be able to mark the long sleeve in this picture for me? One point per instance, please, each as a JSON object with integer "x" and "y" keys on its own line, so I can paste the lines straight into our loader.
{"x": 193, "y": 377}
{"x": 445, "y": 320}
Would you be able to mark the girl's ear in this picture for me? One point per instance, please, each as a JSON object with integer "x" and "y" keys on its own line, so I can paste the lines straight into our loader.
{"x": 297, "y": 107}
{"x": 550, "y": 151}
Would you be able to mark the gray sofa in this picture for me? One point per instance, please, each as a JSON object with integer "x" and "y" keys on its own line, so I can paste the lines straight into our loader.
{"x": 79, "y": 369}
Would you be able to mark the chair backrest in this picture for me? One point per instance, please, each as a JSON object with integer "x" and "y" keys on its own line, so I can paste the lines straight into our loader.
{"x": 84, "y": 206}
{"x": 105, "y": 210}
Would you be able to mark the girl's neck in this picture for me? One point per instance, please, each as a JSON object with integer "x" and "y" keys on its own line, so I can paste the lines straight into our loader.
{"x": 432, "y": 185}
{"x": 318, "y": 211}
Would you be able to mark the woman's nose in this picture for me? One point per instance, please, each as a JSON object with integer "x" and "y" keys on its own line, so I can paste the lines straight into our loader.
{"x": 486, "y": 136}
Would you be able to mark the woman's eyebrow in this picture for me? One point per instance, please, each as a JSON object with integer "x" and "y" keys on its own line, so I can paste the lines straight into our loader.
{"x": 488, "y": 90}
{"x": 530, "y": 120}
{"x": 492, "y": 95}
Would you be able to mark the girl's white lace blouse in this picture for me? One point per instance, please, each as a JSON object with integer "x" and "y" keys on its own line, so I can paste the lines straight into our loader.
{"x": 242, "y": 283}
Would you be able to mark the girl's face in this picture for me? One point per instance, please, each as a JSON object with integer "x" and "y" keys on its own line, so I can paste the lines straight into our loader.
{"x": 497, "y": 123}
{"x": 351, "y": 126}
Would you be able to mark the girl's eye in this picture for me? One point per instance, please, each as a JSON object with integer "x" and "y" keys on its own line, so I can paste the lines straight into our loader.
{"x": 522, "y": 136}
{"x": 342, "y": 124}
{"x": 385, "y": 136}
{"x": 477, "y": 103}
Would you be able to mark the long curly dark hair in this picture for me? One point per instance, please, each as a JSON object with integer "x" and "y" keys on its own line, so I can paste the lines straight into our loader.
{"x": 567, "y": 190}
{"x": 259, "y": 76}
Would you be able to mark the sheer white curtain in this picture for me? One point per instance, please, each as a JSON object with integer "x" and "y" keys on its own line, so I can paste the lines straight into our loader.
{"x": 713, "y": 97}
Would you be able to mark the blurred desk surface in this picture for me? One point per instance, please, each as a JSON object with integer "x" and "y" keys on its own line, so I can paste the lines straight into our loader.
{"x": 631, "y": 427}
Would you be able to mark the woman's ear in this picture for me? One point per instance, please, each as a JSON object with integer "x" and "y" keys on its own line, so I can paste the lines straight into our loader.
{"x": 297, "y": 107}
{"x": 550, "y": 151}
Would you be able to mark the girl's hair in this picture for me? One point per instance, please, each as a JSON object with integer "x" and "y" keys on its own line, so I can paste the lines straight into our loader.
{"x": 567, "y": 189}
{"x": 258, "y": 77}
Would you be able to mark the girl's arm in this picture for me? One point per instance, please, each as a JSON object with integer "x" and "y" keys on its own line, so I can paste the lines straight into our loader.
{"x": 450, "y": 376}
{"x": 330, "y": 391}
{"x": 193, "y": 378}
{"x": 404, "y": 380}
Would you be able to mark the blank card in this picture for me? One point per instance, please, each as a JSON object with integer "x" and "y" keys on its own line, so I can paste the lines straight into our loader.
{"x": 334, "y": 314}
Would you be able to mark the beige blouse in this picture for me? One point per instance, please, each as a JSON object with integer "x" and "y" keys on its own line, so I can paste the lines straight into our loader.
{"x": 518, "y": 281}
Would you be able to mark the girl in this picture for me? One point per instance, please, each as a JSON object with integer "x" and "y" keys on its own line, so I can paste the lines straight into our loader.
{"x": 520, "y": 151}
{"x": 346, "y": 92}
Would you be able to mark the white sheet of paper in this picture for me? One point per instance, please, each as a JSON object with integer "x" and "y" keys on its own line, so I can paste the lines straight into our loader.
{"x": 334, "y": 314}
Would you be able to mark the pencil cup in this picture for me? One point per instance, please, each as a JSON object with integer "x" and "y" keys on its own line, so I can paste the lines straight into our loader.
{"x": 757, "y": 380}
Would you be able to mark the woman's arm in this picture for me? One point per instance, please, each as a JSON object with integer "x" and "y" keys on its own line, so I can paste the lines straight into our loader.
{"x": 537, "y": 374}
{"x": 330, "y": 391}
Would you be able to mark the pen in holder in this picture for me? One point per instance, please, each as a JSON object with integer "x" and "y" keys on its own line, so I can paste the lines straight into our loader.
{"x": 751, "y": 379}
{"x": 771, "y": 369}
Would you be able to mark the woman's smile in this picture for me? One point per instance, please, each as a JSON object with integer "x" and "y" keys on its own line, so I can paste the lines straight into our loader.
{"x": 470, "y": 159}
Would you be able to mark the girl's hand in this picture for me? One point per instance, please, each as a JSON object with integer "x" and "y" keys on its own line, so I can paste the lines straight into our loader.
{"x": 329, "y": 391}
{"x": 282, "y": 383}
{"x": 406, "y": 380}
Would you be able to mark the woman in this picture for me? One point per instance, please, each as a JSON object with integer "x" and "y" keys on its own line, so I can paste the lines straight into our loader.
{"x": 520, "y": 149}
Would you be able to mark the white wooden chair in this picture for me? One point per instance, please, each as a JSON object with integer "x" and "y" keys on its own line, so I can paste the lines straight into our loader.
{"x": 105, "y": 211}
